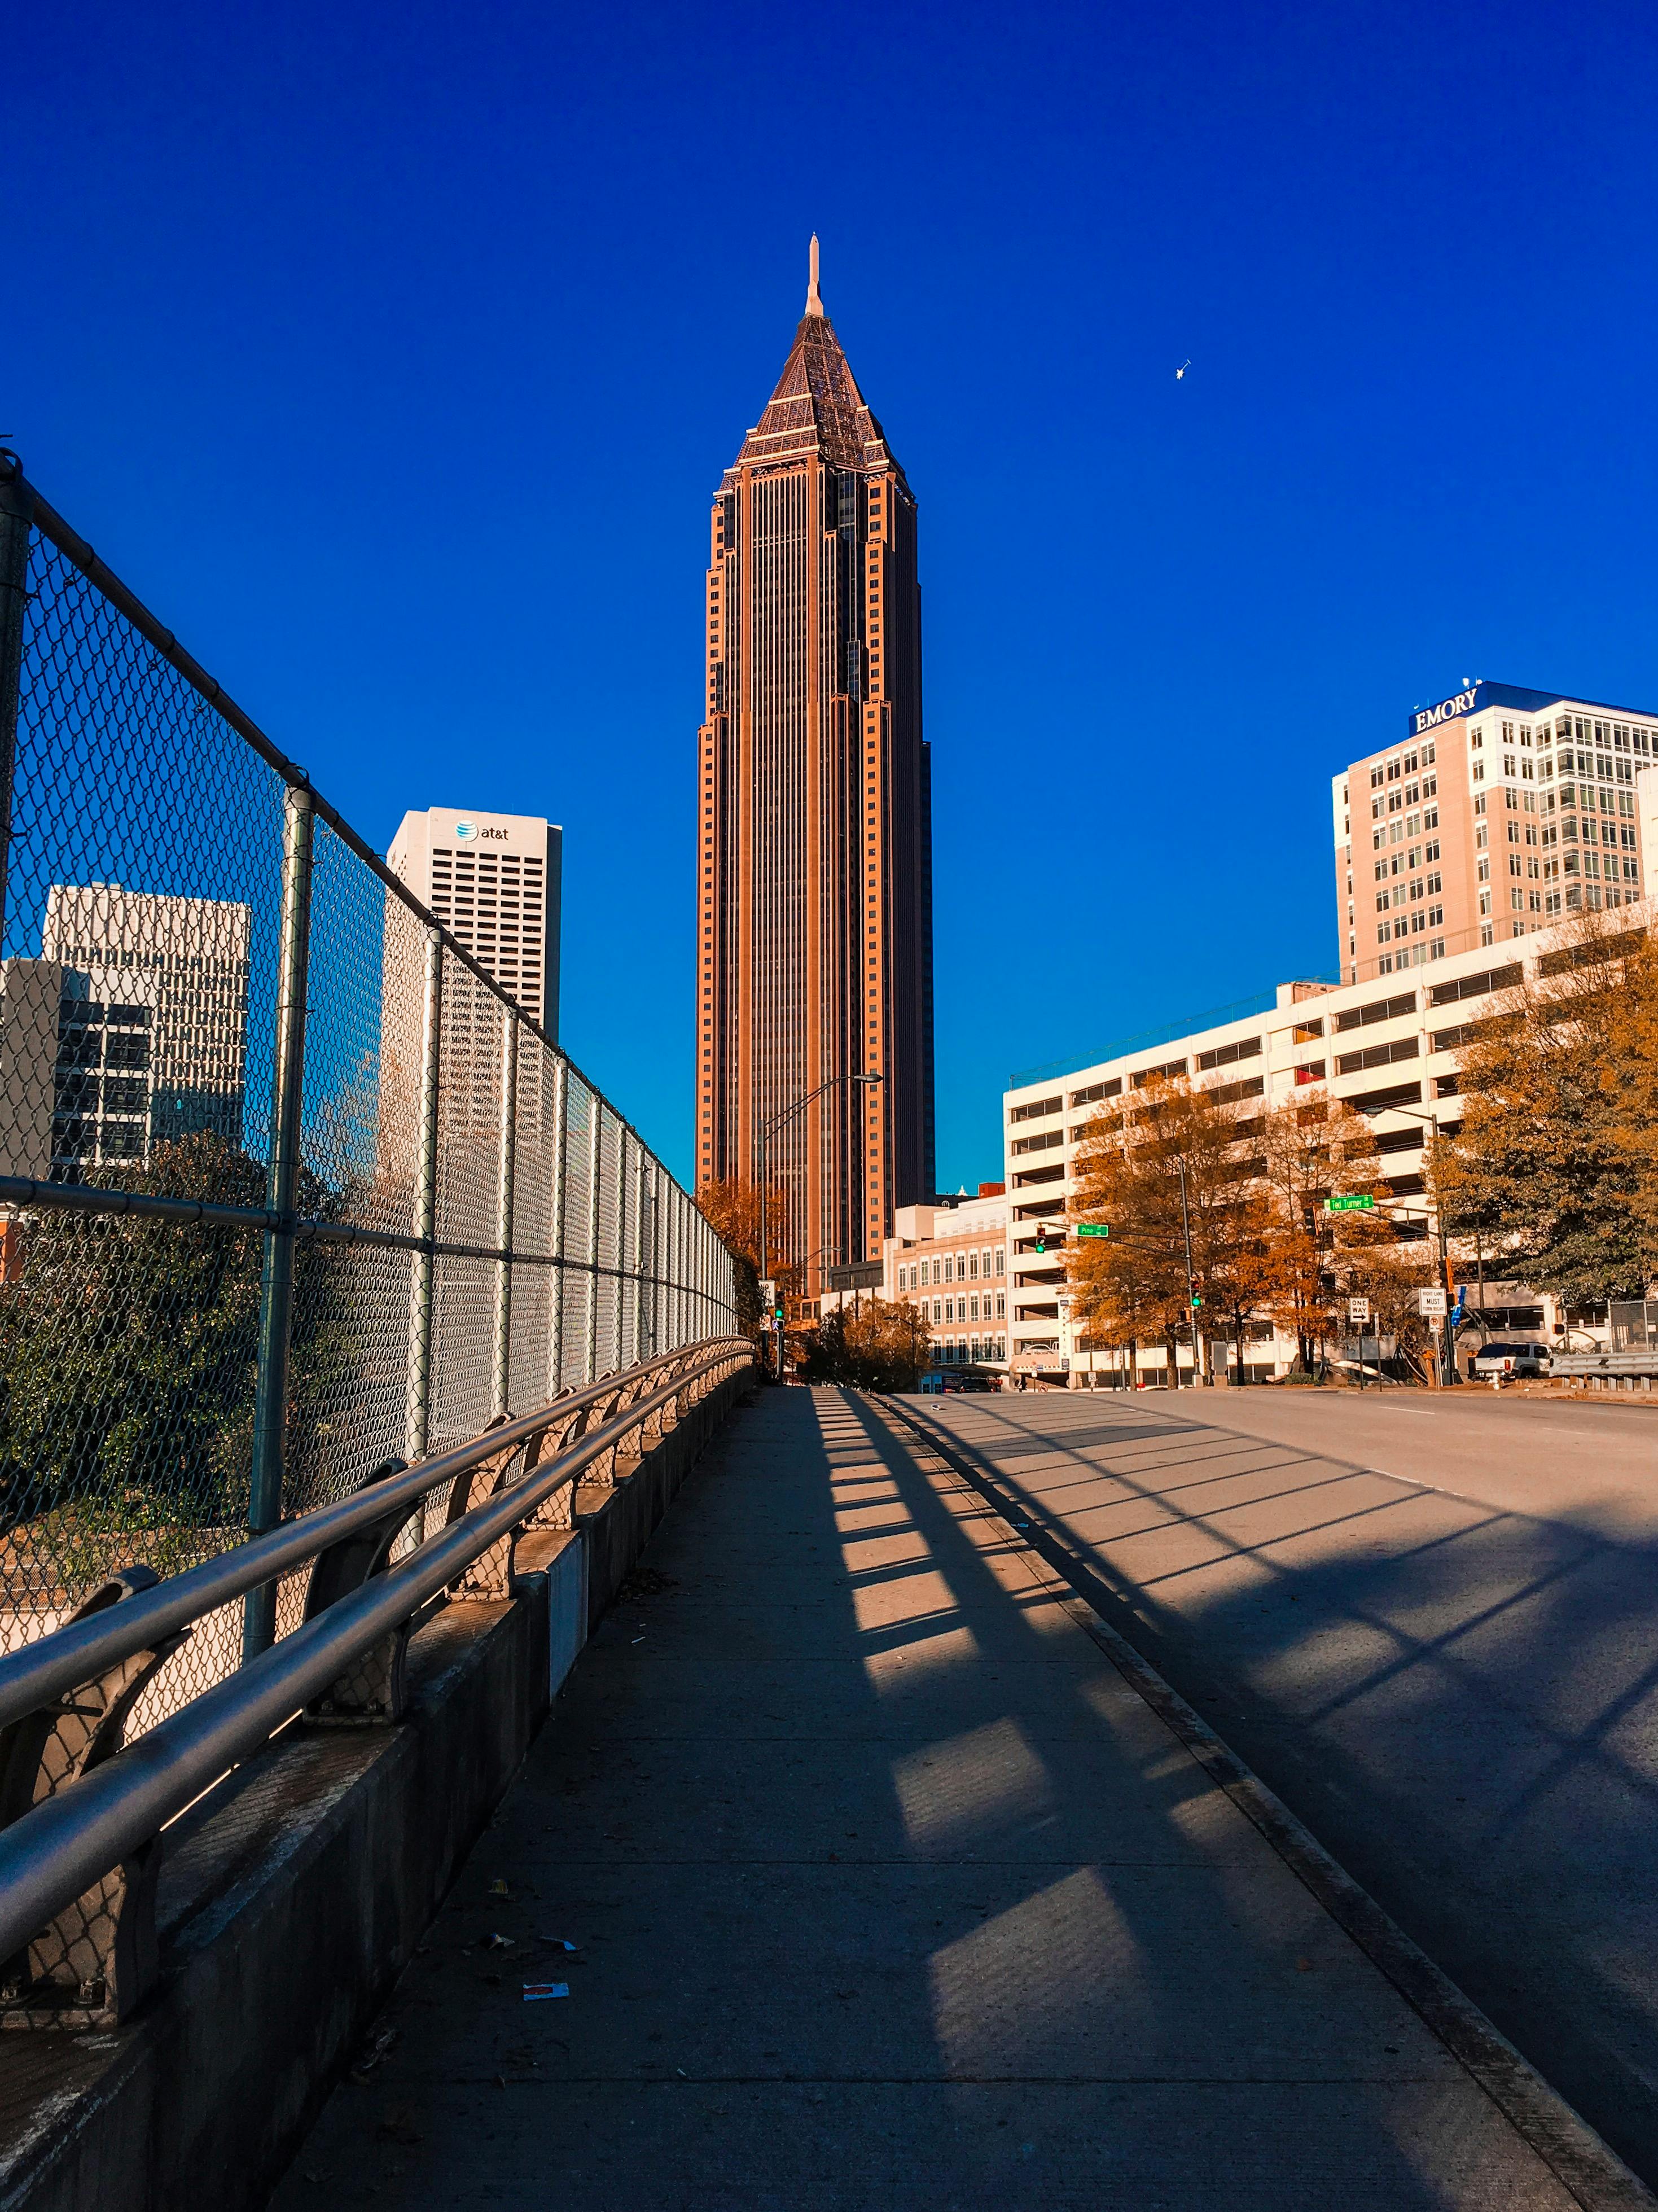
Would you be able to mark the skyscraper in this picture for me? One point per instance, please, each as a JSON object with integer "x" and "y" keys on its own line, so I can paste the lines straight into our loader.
{"x": 152, "y": 1035}
{"x": 495, "y": 881}
{"x": 814, "y": 892}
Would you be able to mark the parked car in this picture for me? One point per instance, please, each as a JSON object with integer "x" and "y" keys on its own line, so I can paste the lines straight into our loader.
{"x": 1510, "y": 1359}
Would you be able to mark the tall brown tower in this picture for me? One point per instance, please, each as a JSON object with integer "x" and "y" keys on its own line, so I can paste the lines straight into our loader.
{"x": 815, "y": 889}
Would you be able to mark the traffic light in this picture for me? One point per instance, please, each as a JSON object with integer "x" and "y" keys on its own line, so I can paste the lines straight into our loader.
{"x": 1049, "y": 1232}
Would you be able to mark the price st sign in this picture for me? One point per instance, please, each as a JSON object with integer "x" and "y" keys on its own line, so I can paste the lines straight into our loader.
{"x": 1093, "y": 1229}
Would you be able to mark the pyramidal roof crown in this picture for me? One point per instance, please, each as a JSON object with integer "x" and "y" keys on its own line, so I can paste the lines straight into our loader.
{"x": 816, "y": 412}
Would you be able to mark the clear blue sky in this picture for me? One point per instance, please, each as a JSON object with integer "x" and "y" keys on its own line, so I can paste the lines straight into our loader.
{"x": 393, "y": 356}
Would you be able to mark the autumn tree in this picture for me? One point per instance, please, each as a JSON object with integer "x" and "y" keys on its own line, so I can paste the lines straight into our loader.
{"x": 731, "y": 1207}
{"x": 1162, "y": 1164}
{"x": 1304, "y": 1261}
{"x": 1556, "y": 1167}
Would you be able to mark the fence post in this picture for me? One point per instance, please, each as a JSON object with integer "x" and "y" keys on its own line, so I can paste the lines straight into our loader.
{"x": 620, "y": 1337}
{"x": 653, "y": 1341}
{"x": 595, "y": 1168}
{"x": 504, "y": 1207}
{"x": 16, "y": 514}
{"x": 560, "y": 1156}
{"x": 264, "y": 1503}
{"x": 417, "y": 1403}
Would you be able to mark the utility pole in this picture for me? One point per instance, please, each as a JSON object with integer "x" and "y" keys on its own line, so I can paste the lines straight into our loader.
{"x": 1191, "y": 1295}
{"x": 776, "y": 1121}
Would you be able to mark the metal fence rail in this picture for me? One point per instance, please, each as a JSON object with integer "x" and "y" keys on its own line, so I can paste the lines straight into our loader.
{"x": 290, "y": 1187}
{"x": 81, "y": 1815}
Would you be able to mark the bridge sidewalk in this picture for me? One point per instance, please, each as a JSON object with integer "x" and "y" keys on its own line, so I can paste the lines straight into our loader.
{"x": 890, "y": 1891}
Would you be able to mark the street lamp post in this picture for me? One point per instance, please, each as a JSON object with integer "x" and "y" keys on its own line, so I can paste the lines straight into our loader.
{"x": 1191, "y": 1295}
{"x": 1447, "y": 1375}
{"x": 766, "y": 1129}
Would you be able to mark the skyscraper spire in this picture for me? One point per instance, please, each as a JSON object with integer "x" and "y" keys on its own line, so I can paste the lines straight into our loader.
{"x": 814, "y": 304}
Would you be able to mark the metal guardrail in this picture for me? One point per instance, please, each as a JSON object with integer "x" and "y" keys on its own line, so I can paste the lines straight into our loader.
{"x": 1567, "y": 1364}
{"x": 290, "y": 1183}
{"x": 84, "y": 1811}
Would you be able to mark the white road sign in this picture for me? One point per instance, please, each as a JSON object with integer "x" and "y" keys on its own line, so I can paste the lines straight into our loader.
{"x": 1359, "y": 1308}
{"x": 1431, "y": 1304}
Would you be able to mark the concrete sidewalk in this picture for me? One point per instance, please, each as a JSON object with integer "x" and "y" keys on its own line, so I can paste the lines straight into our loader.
{"x": 890, "y": 1891}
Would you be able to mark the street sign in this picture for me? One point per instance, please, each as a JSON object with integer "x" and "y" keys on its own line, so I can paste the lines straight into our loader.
{"x": 1092, "y": 1228}
{"x": 1358, "y": 1201}
{"x": 1431, "y": 1304}
{"x": 767, "y": 1291}
{"x": 1359, "y": 1308}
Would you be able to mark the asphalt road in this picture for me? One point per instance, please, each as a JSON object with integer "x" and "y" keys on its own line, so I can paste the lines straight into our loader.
{"x": 1431, "y": 1626}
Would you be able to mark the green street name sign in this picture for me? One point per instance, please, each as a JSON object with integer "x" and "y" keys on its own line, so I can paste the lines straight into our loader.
{"x": 1093, "y": 1229}
{"x": 1360, "y": 1202}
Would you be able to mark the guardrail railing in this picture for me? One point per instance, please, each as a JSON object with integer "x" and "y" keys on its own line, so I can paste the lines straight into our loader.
{"x": 82, "y": 1810}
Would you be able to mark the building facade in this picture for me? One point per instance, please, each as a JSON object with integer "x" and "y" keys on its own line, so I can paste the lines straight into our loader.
{"x": 1386, "y": 1044}
{"x": 152, "y": 1028}
{"x": 494, "y": 882}
{"x": 814, "y": 870}
{"x": 1502, "y": 810}
{"x": 950, "y": 1260}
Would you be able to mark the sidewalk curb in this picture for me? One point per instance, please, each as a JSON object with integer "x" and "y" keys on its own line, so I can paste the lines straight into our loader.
{"x": 1585, "y": 2165}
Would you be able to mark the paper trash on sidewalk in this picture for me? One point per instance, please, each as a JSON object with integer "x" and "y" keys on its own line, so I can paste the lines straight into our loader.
{"x": 533, "y": 1991}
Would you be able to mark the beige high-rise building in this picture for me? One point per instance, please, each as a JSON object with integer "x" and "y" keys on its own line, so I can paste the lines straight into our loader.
{"x": 1501, "y": 810}
{"x": 494, "y": 881}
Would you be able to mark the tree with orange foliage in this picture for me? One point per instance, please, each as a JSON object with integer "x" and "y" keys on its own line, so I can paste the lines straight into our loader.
{"x": 1556, "y": 1166}
{"x": 1129, "y": 1287}
{"x": 1305, "y": 1261}
{"x": 731, "y": 1207}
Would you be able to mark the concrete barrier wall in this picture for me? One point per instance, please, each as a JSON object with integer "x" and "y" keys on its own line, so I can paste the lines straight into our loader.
{"x": 293, "y": 1895}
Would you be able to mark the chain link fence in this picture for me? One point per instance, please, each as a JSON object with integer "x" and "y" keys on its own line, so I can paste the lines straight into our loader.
{"x": 289, "y": 1188}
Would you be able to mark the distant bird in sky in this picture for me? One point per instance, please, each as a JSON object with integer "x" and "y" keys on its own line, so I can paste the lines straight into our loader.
{"x": 1182, "y": 370}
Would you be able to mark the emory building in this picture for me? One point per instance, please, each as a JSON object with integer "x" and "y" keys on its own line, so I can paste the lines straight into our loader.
{"x": 1501, "y": 810}
{"x": 814, "y": 866}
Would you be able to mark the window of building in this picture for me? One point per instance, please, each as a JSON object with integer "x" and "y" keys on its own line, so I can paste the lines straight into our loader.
{"x": 1001, "y": 1260}
{"x": 1224, "y": 1054}
{"x": 1479, "y": 771}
